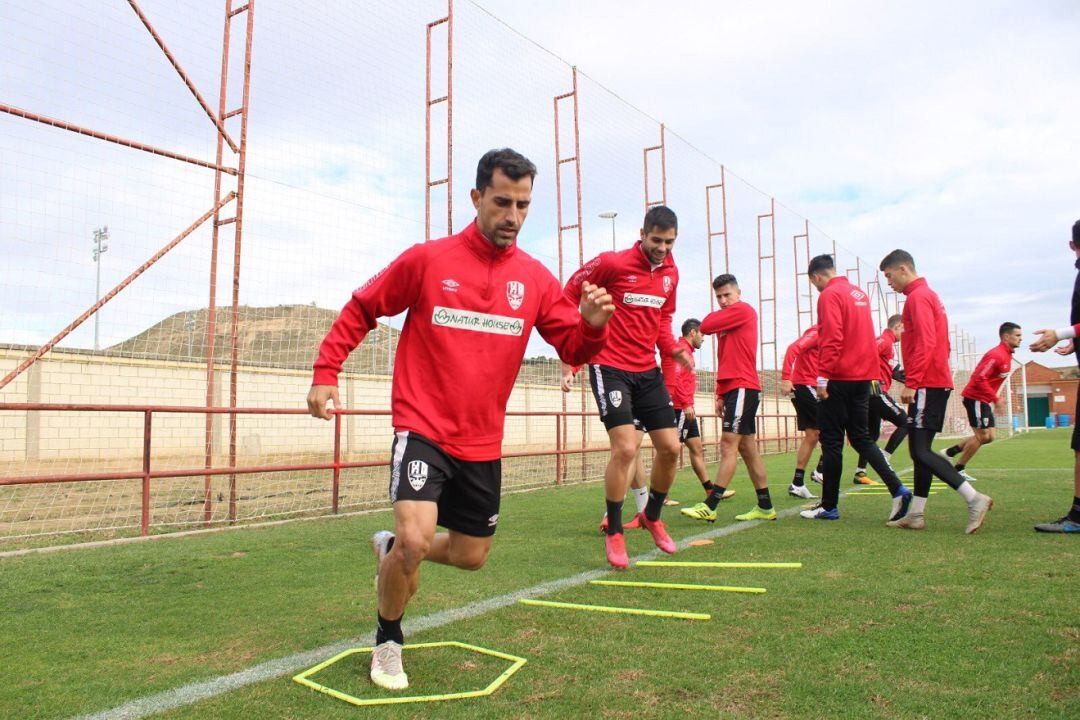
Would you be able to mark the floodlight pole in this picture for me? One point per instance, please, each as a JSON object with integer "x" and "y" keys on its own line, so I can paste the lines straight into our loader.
{"x": 610, "y": 215}
{"x": 101, "y": 236}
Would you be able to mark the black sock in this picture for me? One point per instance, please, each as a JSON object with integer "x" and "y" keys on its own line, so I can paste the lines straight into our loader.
{"x": 715, "y": 496}
{"x": 707, "y": 486}
{"x": 798, "y": 480}
{"x": 614, "y": 517}
{"x": 388, "y": 630}
{"x": 1074, "y": 513}
{"x": 959, "y": 467}
{"x": 763, "y": 500}
{"x": 654, "y": 505}
{"x": 953, "y": 451}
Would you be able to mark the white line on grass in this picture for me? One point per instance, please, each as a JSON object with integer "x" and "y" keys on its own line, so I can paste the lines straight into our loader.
{"x": 272, "y": 669}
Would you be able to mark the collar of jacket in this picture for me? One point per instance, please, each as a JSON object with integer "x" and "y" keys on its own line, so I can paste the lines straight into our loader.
{"x": 483, "y": 248}
{"x": 915, "y": 285}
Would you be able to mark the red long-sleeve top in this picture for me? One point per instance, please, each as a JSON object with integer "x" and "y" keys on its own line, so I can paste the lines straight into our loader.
{"x": 644, "y": 299}
{"x": 986, "y": 380}
{"x": 681, "y": 382}
{"x": 471, "y": 309}
{"x": 736, "y": 330}
{"x": 925, "y": 341}
{"x": 847, "y": 344}
{"x": 886, "y": 355}
{"x": 801, "y": 359}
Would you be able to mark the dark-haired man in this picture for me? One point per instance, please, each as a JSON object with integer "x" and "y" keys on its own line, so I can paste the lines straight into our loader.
{"x": 981, "y": 396}
{"x": 738, "y": 393}
{"x": 927, "y": 388}
{"x": 1070, "y": 521}
{"x": 681, "y": 382}
{"x": 472, "y": 301}
{"x": 625, "y": 379}
{"x": 847, "y": 365}
{"x": 882, "y": 406}
{"x": 799, "y": 380}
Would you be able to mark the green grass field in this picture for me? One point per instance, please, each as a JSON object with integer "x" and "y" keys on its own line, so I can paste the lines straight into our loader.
{"x": 878, "y": 623}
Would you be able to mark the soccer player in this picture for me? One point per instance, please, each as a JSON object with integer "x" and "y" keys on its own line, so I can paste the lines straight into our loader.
{"x": 926, "y": 392}
{"x": 625, "y": 379}
{"x": 472, "y": 299}
{"x": 882, "y": 406}
{"x": 738, "y": 392}
{"x": 847, "y": 364}
{"x": 981, "y": 392}
{"x": 799, "y": 380}
{"x": 681, "y": 382}
{"x": 1070, "y": 522}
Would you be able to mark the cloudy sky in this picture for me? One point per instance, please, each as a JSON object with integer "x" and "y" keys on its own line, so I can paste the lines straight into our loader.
{"x": 945, "y": 128}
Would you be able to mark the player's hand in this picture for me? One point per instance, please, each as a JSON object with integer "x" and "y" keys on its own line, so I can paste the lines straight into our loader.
{"x": 1047, "y": 339}
{"x": 567, "y": 378}
{"x": 682, "y": 357}
{"x": 596, "y": 305}
{"x": 786, "y": 388}
{"x": 823, "y": 392}
{"x": 907, "y": 396}
{"x": 1067, "y": 349}
{"x": 317, "y": 397}
{"x": 719, "y": 401}
{"x": 688, "y": 413}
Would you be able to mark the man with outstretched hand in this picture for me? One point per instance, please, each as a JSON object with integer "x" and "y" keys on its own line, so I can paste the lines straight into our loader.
{"x": 472, "y": 299}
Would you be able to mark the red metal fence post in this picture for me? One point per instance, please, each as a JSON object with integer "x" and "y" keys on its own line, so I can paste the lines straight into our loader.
{"x": 337, "y": 462}
{"x": 145, "y": 523}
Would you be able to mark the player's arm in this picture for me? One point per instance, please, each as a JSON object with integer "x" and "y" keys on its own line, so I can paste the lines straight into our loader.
{"x": 918, "y": 357}
{"x": 725, "y": 320}
{"x": 665, "y": 338}
{"x": 791, "y": 356}
{"x": 388, "y": 293}
{"x": 830, "y": 337}
{"x": 576, "y": 333}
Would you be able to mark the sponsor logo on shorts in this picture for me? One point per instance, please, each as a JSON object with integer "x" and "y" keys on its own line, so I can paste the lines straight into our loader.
{"x": 493, "y": 520}
{"x": 450, "y": 285}
{"x": 667, "y": 285}
{"x": 515, "y": 293}
{"x": 418, "y": 471}
{"x": 645, "y": 300}
{"x": 477, "y": 321}
{"x": 616, "y": 397}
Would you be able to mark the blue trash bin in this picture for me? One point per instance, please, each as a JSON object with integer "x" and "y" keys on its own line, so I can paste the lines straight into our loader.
{"x": 1050, "y": 420}
{"x": 1016, "y": 424}
{"x": 1063, "y": 421}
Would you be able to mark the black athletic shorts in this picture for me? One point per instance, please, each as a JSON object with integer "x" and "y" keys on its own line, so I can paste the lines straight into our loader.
{"x": 928, "y": 410}
{"x": 805, "y": 400}
{"x": 980, "y": 414}
{"x": 467, "y": 493}
{"x": 883, "y": 407}
{"x": 624, "y": 397}
{"x": 688, "y": 429}
{"x": 1076, "y": 427}
{"x": 740, "y": 411}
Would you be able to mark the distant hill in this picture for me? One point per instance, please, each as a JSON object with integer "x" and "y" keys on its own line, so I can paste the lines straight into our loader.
{"x": 284, "y": 336}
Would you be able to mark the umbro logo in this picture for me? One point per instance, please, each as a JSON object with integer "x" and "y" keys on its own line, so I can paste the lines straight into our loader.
{"x": 493, "y": 520}
{"x": 631, "y": 278}
{"x": 450, "y": 285}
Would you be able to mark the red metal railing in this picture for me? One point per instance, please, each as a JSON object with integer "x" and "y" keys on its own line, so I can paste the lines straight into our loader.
{"x": 147, "y": 474}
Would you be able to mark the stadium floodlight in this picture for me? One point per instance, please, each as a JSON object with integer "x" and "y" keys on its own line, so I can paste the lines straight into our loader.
{"x": 611, "y": 215}
{"x": 101, "y": 236}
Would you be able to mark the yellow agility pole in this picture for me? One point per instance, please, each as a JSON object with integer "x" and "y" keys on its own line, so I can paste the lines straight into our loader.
{"x": 517, "y": 662}
{"x": 677, "y": 586}
{"x": 620, "y": 610}
{"x": 668, "y": 563}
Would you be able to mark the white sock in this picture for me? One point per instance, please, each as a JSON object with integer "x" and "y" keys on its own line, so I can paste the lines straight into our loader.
{"x": 969, "y": 493}
{"x": 641, "y": 498}
{"x": 918, "y": 504}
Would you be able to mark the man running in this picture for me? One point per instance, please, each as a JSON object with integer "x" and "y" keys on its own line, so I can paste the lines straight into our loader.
{"x": 625, "y": 380}
{"x": 681, "y": 382}
{"x": 926, "y": 392}
{"x": 1070, "y": 522}
{"x": 738, "y": 392}
{"x": 799, "y": 380}
{"x": 847, "y": 364}
{"x": 981, "y": 396}
{"x": 472, "y": 301}
{"x": 882, "y": 406}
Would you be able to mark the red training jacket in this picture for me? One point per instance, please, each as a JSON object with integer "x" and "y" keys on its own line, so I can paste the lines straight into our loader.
{"x": 886, "y": 355}
{"x": 847, "y": 344}
{"x": 925, "y": 341}
{"x": 989, "y": 374}
{"x": 736, "y": 330}
{"x": 801, "y": 359}
{"x": 644, "y": 305}
{"x": 471, "y": 309}
{"x": 681, "y": 382}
